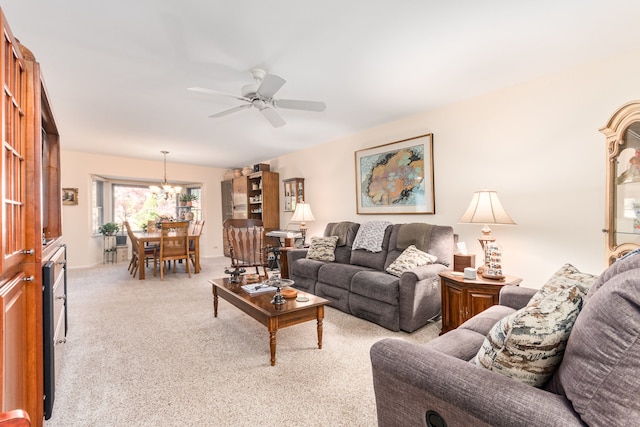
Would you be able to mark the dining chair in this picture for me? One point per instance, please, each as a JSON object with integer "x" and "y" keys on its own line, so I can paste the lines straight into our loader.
{"x": 149, "y": 252}
{"x": 246, "y": 245}
{"x": 194, "y": 230}
{"x": 15, "y": 418}
{"x": 174, "y": 246}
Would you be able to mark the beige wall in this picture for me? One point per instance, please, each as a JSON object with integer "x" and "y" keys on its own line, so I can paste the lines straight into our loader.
{"x": 537, "y": 144}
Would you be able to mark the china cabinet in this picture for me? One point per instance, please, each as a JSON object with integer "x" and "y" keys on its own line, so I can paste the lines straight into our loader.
{"x": 253, "y": 196}
{"x": 293, "y": 193}
{"x": 622, "y": 214}
{"x": 31, "y": 232}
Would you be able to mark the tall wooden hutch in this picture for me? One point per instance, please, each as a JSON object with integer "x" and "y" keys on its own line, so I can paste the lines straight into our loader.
{"x": 31, "y": 231}
{"x": 622, "y": 215}
{"x": 253, "y": 196}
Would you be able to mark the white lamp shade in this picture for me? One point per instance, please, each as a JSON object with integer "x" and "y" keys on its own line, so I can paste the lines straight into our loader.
{"x": 302, "y": 213}
{"x": 485, "y": 208}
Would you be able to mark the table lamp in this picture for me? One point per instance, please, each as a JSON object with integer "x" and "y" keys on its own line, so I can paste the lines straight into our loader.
{"x": 485, "y": 208}
{"x": 303, "y": 214}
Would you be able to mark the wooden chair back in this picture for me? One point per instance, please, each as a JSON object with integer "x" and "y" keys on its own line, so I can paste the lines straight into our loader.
{"x": 196, "y": 226}
{"x": 174, "y": 244}
{"x": 246, "y": 243}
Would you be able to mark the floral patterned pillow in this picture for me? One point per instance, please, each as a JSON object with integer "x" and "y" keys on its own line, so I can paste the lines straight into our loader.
{"x": 410, "y": 258}
{"x": 323, "y": 248}
{"x": 529, "y": 344}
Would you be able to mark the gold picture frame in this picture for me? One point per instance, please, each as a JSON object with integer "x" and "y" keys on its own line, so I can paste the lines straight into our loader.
{"x": 396, "y": 178}
{"x": 69, "y": 196}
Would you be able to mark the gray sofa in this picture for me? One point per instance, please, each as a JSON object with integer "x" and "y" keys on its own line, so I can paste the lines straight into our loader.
{"x": 596, "y": 382}
{"x": 356, "y": 282}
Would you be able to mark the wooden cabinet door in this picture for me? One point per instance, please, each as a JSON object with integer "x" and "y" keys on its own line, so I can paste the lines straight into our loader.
{"x": 15, "y": 106}
{"x": 13, "y": 321}
{"x": 479, "y": 299}
{"x": 240, "y": 198}
{"x": 453, "y": 305}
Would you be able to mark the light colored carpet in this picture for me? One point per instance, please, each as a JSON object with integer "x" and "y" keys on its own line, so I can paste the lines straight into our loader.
{"x": 150, "y": 353}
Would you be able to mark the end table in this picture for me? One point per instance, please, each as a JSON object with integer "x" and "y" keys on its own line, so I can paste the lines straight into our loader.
{"x": 464, "y": 298}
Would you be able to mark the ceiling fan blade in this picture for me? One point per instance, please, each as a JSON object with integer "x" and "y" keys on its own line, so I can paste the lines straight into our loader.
{"x": 300, "y": 105}
{"x": 216, "y": 92}
{"x": 270, "y": 85}
{"x": 273, "y": 117}
{"x": 232, "y": 110}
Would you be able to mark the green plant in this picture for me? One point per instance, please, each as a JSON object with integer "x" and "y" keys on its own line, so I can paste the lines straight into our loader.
{"x": 188, "y": 197}
{"x": 109, "y": 229}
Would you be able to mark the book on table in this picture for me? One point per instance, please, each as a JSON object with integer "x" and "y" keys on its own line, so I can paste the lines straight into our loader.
{"x": 258, "y": 288}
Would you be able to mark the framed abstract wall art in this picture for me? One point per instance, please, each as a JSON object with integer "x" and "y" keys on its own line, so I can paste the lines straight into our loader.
{"x": 396, "y": 178}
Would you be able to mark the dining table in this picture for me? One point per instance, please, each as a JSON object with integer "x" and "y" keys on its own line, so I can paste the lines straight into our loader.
{"x": 153, "y": 237}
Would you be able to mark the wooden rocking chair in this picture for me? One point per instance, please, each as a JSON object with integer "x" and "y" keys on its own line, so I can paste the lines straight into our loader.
{"x": 246, "y": 245}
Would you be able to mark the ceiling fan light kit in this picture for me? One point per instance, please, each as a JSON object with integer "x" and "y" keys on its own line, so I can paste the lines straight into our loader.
{"x": 260, "y": 95}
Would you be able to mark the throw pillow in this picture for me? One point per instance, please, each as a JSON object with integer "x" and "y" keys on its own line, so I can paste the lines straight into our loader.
{"x": 566, "y": 277}
{"x": 529, "y": 344}
{"x": 323, "y": 248}
{"x": 410, "y": 258}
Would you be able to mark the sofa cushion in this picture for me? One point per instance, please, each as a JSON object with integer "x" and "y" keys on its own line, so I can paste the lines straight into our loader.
{"x": 338, "y": 275}
{"x": 375, "y": 260}
{"x": 599, "y": 373}
{"x": 346, "y": 232}
{"x": 528, "y": 344}
{"x": 376, "y": 285}
{"x": 460, "y": 343}
{"x": 483, "y": 322}
{"x": 436, "y": 240}
{"x": 323, "y": 248}
{"x": 410, "y": 258}
{"x": 304, "y": 267}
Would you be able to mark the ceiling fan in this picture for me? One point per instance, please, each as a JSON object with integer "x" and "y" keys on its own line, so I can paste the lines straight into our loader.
{"x": 260, "y": 95}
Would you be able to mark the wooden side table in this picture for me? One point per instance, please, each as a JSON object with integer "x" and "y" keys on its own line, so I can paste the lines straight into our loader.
{"x": 464, "y": 298}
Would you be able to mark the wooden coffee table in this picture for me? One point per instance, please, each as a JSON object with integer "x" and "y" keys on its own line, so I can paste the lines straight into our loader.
{"x": 272, "y": 316}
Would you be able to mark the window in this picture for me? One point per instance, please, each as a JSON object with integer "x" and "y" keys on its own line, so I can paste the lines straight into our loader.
{"x": 136, "y": 204}
{"x": 119, "y": 201}
{"x": 97, "y": 204}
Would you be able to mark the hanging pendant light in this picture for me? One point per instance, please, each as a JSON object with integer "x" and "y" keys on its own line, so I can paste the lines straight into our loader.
{"x": 165, "y": 189}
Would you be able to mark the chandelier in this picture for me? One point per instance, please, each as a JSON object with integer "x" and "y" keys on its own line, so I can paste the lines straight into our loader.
{"x": 165, "y": 189}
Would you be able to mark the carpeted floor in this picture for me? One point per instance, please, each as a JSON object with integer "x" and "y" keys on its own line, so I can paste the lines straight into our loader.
{"x": 150, "y": 353}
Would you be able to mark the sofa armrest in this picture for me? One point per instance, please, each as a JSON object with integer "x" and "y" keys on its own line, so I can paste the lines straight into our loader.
{"x": 287, "y": 256}
{"x": 294, "y": 254}
{"x": 411, "y": 379}
{"x": 516, "y": 297}
{"x": 419, "y": 299}
{"x": 425, "y": 272}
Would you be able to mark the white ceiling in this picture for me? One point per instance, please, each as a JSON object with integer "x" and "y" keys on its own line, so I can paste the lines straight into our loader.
{"x": 117, "y": 71}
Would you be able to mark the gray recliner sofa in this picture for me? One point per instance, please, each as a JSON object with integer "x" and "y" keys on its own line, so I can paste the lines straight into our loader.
{"x": 357, "y": 283}
{"x": 596, "y": 382}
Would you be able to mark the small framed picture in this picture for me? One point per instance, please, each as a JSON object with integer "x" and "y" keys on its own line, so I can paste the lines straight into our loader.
{"x": 70, "y": 196}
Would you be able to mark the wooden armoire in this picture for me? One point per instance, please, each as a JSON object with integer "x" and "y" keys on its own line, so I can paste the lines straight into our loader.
{"x": 31, "y": 223}
{"x": 253, "y": 196}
